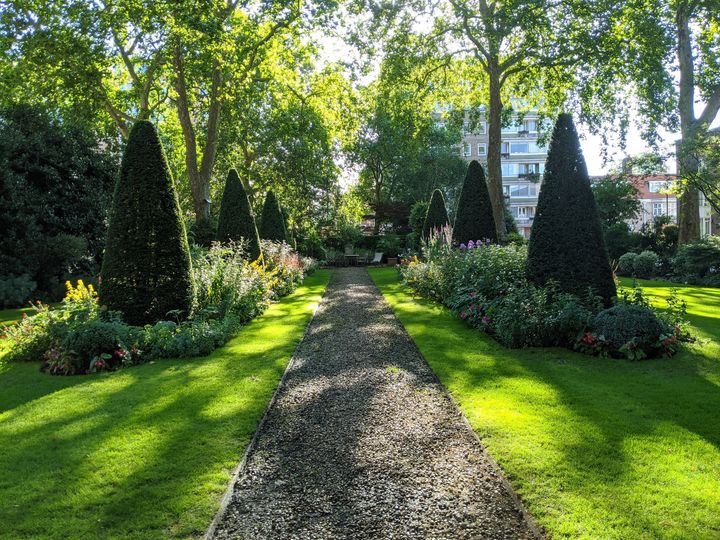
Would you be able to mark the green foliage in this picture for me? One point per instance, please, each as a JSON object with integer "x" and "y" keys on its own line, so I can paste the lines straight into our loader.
{"x": 660, "y": 236}
{"x": 390, "y": 244}
{"x": 236, "y": 220}
{"x": 626, "y": 264}
{"x": 146, "y": 272}
{"x": 699, "y": 262}
{"x": 474, "y": 218}
{"x": 566, "y": 243}
{"x": 14, "y": 291}
{"x": 272, "y": 223}
{"x": 617, "y": 200}
{"x": 619, "y": 240}
{"x": 436, "y": 217}
{"x": 645, "y": 264}
{"x": 202, "y": 232}
{"x": 55, "y": 187}
{"x": 632, "y": 331}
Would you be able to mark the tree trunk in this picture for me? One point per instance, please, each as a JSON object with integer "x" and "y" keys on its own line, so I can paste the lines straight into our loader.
{"x": 495, "y": 187}
{"x": 688, "y": 204}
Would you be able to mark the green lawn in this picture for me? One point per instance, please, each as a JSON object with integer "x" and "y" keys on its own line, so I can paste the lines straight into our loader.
{"x": 9, "y": 316}
{"x": 597, "y": 448}
{"x": 145, "y": 452}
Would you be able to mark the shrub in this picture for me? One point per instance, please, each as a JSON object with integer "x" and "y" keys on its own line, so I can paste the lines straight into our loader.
{"x": 632, "y": 331}
{"x": 283, "y": 266}
{"x": 272, "y": 222}
{"x": 236, "y": 220}
{"x": 566, "y": 243}
{"x": 626, "y": 264}
{"x": 146, "y": 272}
{"x": 16, "y": 290}
{"x": 699, "y": 262}
{"x": 645, "y": 264}
{"x": 619, "y": 240}
{"x": 436, "y": 217}
{"x": 474, "y": 216}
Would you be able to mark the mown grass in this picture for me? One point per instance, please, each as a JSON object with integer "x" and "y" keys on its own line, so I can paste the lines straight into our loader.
{"x": 145, "y": 452}
{"x": 597, "y": 448}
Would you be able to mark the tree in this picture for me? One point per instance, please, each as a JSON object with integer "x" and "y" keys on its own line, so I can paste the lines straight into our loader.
{"x": 474, "y": 218}
{"x": 146, "y": 271}
{"x": 55, "y": 191}
{"x": 272, "y": 223}
{"x": 236, "y": 220}
{"x": 617, "y": 200}
{"x": 566, "y": 242}
{"x": 671, "y": 69}
{"x": 436, "y": 216}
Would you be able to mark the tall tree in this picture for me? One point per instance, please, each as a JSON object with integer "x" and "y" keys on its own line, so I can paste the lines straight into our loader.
{"x": 566, "y": 242}
{"x": 474, "y": 218}
{"x": 146, "y": 271}
{"x": 665, "y": 54}
{"x": 236, "y": 220}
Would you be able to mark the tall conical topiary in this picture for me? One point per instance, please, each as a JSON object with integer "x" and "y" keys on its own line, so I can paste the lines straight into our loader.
{"x": 436, "y": 216}
{"x": 272, "y": 224}
{"x": 146, "y": 271}
{"x": 566, "y": 242}
{"x": 474, "y": 218}
{"x": 236, "y": 219}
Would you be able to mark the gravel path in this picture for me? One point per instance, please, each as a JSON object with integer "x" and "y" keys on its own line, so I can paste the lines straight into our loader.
{"x": 362, "y": 442}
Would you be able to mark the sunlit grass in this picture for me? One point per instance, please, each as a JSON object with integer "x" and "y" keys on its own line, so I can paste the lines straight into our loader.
{"x": 597, "y": 448}
{"x": 145, "y": 452}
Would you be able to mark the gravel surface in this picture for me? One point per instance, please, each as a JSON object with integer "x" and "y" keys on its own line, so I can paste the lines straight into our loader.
{"x": 362, "y": 442}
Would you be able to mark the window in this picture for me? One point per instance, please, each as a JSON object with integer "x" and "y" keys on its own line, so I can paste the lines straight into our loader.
{"x": 655, "y": 187}
{"x": 482, "y": 149}
{"x": 705, "y": 227}
{"x": 512, "y": 128}
{"x": 509, "y": 169}
{"x": 657, "y": 209}
{"x": 505, "y": 148}
{"x": 482, "y": 127}
{"x": 519, "y": 148}
{"x": 523, "y": 190}
{"x": 530, "y": 126}
{"x": 506, "y": 191}
{"x": 531, "y": 168}
{"x": 467, "y": 150}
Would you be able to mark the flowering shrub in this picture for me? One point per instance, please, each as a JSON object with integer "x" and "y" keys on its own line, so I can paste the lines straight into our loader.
{"x": 81, "y": 336}
{"x": 485, "y": 285}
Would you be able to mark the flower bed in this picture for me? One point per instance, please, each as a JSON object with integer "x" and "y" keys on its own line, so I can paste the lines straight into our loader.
{"x": 485, "y": 285}
{"x": 82, "y": 336}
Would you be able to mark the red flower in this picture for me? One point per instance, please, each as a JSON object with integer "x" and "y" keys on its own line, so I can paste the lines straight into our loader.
{"x": 463, "y": 315}
{"x": 589, "y": 338}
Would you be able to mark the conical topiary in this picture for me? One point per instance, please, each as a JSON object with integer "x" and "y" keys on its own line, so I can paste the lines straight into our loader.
{"x": 236, "y": 219}
{"x": 436, "y": 216}
{"x": 146, "y": 270}
{"x": 566, "y": 242}
{"x": 474, "y": 218}
{"x": 272, "y": 223}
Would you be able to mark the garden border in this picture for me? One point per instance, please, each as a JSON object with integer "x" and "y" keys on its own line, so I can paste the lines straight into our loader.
{"x": 229, "y": 490}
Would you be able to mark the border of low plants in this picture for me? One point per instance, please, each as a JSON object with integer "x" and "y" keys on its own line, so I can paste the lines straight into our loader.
{"x": 486, "y": 286}
{"x": 82, "y": 336}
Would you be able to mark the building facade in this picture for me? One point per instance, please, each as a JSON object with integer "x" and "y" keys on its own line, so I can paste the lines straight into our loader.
{"x": 656, "y": 198}
{"x": 523, "y": 163}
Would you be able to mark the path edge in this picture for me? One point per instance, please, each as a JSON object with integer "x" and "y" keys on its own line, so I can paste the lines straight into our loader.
{"x": 230, "y": 489}
{"x": 529, "y": 519}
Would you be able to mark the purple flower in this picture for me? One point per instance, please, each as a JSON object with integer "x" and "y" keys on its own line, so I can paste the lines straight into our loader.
{"x": 463, "y": 246}
{"x": 471, "y": 245}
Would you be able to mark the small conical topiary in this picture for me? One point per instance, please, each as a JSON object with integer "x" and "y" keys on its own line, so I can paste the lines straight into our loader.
{"x": 272, "y": 224}
{"x": 566, "y": 242}
{"x": 146, "y": 270}
{"x": 236, "y": 220}
{"x": 436, "y": 216}
{"x": 474, "y": 218}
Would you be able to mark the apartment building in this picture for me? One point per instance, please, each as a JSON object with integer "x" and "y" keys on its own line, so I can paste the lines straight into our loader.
{"x": 656, "y": 198}
{"x": 523, "y": 163}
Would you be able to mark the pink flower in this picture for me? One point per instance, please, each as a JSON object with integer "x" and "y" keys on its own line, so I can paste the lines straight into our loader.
{"x": 463, "y": 315}
{"x": 485, "y": 320}
{"x": 473, "y": 294}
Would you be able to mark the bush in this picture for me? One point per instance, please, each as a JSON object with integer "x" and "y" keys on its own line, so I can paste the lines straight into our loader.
{"x": 632, "y": 331}
{"x": 436, "y": 217}
{"x": 566, "y": 243}
{"x": 645, "y": 264}
{"x": 146, "y": 272}
{"x": 272, "y": 222}
{"x": 699, "y": 262}
{"x": 626, "y": 264}
{"x": 619, "y": 240}
{"x": 16, "y": 290}
{"x": 236, "y": 220}
{"x": 474, "y": 217}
